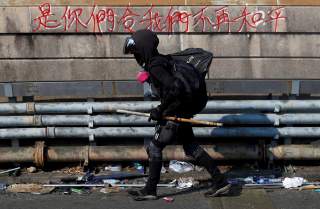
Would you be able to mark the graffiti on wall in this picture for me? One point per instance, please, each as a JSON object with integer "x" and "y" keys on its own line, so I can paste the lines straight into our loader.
{"x": 128, "y": 19}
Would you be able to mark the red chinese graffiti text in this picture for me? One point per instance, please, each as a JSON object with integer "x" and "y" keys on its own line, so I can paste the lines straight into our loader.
{"x": 129, "y": 19}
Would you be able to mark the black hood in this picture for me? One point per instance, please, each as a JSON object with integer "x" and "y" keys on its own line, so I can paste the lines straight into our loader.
{"x": 146, "y": 43}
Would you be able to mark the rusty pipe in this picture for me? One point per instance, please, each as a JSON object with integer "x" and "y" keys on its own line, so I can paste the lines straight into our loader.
{"x": 17, "y": 154}
{"x": 124, "y": 153}
{"x": 140, "y": 132}
{"x": 221, "y": 151}
{"x": 294, "y": 152}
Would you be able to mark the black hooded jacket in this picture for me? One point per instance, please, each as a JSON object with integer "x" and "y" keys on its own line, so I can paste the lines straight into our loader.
{"x": 172, "y": 97}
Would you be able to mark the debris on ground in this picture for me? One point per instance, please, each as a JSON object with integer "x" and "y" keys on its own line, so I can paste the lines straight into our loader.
{"x": 113, "y": 168}
{"x": 32, "y": 169}
{"x": 163, "y": 170}
{"x": 109, "y": 190}
{"x": 3, "y": 186}
{"x": 259, "y": 180}
{"x": 74, "y": 170}
{"x": 139, "y": 168}
{"x": 180, "y": 166}
{"x": 168, "y": 199}
{"x": 116, "y": 178}
{"x": 29, "y": 188}
{"x": 293, "y": 182}
{"x": 184, "y": 183}
{"x": 309, "y": 187}
{"x": 111, "y": 181}
{"x": 199, "y": 168}
{"x": 80, "y": 191}
{"x": 92, "y": 179}
{"x": 10, "y": 170}
{"x": 66, "y": 191}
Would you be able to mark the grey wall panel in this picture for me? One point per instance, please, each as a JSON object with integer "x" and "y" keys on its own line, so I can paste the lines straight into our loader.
{"x": 303, "y": 19}
{"x": 78, "y": 89}
{"x": 69, "y": 46}
{"x": 126, "y": 69}
{"x": 102, "y": 46}
{"x": 248, "y": 86}
{"x": 256, "y": 45}
{"x": 264, "y": 68}
{"x": 15, "y": 20}
{"x": 310, "y": 87}
{"x": 67, "y": 69}
{"x": 132, "y": 88}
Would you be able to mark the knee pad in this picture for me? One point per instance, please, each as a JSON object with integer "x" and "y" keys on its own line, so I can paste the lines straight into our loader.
{"x": 166, "y": 134}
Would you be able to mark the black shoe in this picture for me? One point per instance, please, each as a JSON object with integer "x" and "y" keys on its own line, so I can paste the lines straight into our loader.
{"x": 218, "y": 191}
{"x": 140, "y": 195}
{"x": 149, "y": 192}
{"x": 220, "y": 187}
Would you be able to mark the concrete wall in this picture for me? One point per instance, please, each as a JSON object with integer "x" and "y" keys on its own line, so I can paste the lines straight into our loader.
{"x": 259, "y": 48}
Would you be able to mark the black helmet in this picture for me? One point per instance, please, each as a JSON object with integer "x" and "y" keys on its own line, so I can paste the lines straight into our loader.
{"x": 143, "y": 45}
{"x": 129, "y": 46}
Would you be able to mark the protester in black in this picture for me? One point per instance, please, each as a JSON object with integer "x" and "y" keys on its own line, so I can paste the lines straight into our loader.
{"x": 174, "y": 101}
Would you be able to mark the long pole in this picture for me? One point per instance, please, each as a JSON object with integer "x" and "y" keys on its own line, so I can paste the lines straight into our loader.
{"x": 176, "y": 119}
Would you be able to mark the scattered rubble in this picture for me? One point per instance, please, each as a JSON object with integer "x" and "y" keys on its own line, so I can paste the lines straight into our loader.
{"x": 168, "y": 199}
{"x": 184, "y": 183}
{"x": 10, "y": 170}
{"x": 115, "y": 178}
{"x": 113, "y": 168}
{"x": 32, "y": 169}
{"x": 180, "y": 166}
{"x": 29, "y": 188}
{"x": 293, "y": 182}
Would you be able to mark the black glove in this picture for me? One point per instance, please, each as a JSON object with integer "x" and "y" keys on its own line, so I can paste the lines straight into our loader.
{"x": 155, "y": 114}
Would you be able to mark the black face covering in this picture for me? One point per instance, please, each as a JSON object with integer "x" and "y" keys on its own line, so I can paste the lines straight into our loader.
{"x": 146, "y": 43}
{"x": 139, "y": 59}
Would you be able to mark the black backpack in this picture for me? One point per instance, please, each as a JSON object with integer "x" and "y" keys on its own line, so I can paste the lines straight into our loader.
{"x": 199, "y": 58}
{"x": 191, "y": 66}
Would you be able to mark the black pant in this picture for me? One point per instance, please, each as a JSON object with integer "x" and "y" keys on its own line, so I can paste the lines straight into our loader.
{"x": 171, "y": 132}
{"x": 166, "y": 134}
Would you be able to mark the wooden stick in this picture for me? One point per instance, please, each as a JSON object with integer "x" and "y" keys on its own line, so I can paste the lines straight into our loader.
{"x": 184, "y": 120}
{"x": 309, "y": 187}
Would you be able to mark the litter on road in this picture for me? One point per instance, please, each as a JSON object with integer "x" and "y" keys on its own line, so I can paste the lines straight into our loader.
{"x": 10, "y": 170}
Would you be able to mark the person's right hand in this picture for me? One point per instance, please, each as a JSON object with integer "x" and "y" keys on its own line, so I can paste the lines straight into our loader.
{"x": 155, "y": 114}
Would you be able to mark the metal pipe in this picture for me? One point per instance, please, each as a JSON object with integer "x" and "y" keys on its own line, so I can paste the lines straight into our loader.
{"x": 140, "y": 132}
{"x": 125, "y": 153}
{"x": 120, "y": 120}
{"x": 263, "y": 119}
{"x": 295, "y": 152}
{"x": 21, "y": 154}
{"x": 130, "y": 153}
{"x": 212, "y": 106}
{"x": 85, "y": 107}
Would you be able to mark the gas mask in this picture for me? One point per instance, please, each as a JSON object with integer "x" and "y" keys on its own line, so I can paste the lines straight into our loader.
{"x": 142, "y": 76}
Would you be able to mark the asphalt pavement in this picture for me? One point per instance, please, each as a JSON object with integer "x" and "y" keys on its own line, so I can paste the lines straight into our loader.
{"x": 247, "y": 199}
